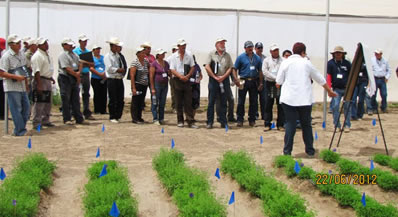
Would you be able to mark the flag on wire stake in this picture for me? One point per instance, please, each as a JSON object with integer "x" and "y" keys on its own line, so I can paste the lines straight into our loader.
{"x": 261, "y": 140}
{"x": 273, "y": 125}
{"x": 98, "y": 153}
{"x": 103, "y": 171}
{"x": 30, "y": 143}
{"x": 316, "y": 135}
{"x": 323, "y": 125}
{"x": 191, "y": 195}
{"x": 2, "y": 174}
{"x": 363, "y": 199}
{"x": 226, "y": 128}
{"x": 172, "y": 143}
{"x": 232, "y": 198}
{"x": 114, "y": 211}
{"x": 330, "y": 172}
{"x": 162, "y": 131}
{"x": 217, "y": 174}
{"x": 376, "y": 140}
{"x": 372, "y": 166}
{"x": 374, "y": 122}
{"x": 103, "y": 128}
{"x": 39, "y": 128}
{"x": 14, "y": 202}
{"x": 297, "y": 167}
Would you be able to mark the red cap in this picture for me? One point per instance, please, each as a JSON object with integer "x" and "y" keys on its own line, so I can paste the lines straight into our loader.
{"x": 2, "y": 43}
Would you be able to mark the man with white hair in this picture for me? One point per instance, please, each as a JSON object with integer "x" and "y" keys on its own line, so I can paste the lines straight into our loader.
{"x": 13, "y": 70}
{"x": 219, "y": 67}
{"x": 69, "y": 68}
{"x": 43, "y": 71}
{"x": 182, "y": 66}
{"x": 115, "y": 72}
{"x": 85, "y": 76}
{"x": 382, "y": 72}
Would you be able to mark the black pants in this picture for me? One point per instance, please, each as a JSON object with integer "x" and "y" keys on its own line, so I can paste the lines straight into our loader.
{"x": 294, "y": 113}
{"x": 116, "y": 98}
{"x": 269, "y": 106}
{"x": 100, "y": 95}
{"x": 138, "y": 102}
{"x": 85, "y": 81}
{"x": 183, "y": 98}
{"x": 251, "y": 87}
{"x": 69, "y": 90}
{"x": 214, "y": 94}
{"x": 1, "y": 100}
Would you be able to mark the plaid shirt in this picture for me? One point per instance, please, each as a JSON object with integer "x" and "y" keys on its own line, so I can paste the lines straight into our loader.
{"x": 11, "y": 60}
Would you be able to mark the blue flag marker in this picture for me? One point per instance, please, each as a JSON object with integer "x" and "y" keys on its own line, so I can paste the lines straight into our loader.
{"x": 162, "y": 131}
{"x": 103, "y": 171}
{"x": 316, "y": 135}
{"x": 98, "y": 153}
{"x": 14, "y": 202}
{"x": 232, "y": 198}
{"x": 273, "y": 125}
{"x": 376, "y": 140}
{"x": 30, "y": 143}
{"x": 114, "y": 211}
{"x": 172, "y": 143}
{"x": 363, "y": 199}
{"x": 2, "y": 174}
{"x": 297, "y": 167}
{"x": 372, "y": 166}
{"x": 226, "y": 128}
{"x": 323, "y": 125}
{"x": 103, "y": 128}
{"x": 261, "y": 140}
{"x": 217, "y": 174}
{"x": 39, "y": 128}
{"x": 330, "y": 172}
{"x": 374, "y": 122}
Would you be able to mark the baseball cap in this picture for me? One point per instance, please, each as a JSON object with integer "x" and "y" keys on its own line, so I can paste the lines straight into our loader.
{"x": 67, "y": 41}
{"x": 259, "y": 45}
{"x": 2, "y": 43}
{"x": 41, "y": 40}
{"x": 379, "y": 51}
{"x": 221, "y": 39}
{"x": 139, "y": 49}
{"x": 160, "y": 51}
{"x": 83, "y": 37}
{"x": 248, "y": 44}
{"x": 273, "y": 47}
{"x": 96, "y": 47}
{"x": 13, "y": 38}
{"x": 181, "y": 41}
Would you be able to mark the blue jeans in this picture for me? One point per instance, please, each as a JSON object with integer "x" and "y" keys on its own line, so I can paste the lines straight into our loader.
{"x": 20, "y": 111}
{"x": 251, "y": 87}
{"x": 158, "y": 106}
{"x": 380, "y": 84}
{"x": 292, "y": 114}
{"x": 214, "y": 93}
{"x": 336, "y": 108}
{"x": 358, "y": 108}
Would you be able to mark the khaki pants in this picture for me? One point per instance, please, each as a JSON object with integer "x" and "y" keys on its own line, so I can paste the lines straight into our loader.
{"x": 41, "y": 111}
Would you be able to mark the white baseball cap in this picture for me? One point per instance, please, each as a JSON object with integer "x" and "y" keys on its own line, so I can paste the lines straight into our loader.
{"x": 32, "y": 41}
{"x": 83, "y": 37}
{"x": 379, "y": 51}
{"x": 221, "y": 39}
{"x": 96, "y": 47}
{"x": 160, "y": 51}
{"x": 181, "y": 41}
{"x": 68, "y": 41}
{"x": 139, "y": 49}
{"x": 13, "y": 38}
{"x": 41, "y": 40}
{"x": 273, "y": 47}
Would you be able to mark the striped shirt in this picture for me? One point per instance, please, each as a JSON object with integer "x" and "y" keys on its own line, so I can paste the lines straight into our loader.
{"x": 11, "y": 60}
{"x": 141, "y": 75}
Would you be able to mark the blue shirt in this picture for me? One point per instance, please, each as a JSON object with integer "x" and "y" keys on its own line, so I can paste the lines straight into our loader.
{"x": 79, "y": 51}
{"x": 99, "y": 65}
{"x": 244, "y": 64}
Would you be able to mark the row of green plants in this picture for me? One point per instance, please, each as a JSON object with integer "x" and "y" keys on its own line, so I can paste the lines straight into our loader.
{"x": 385, "y": 179}
{"x": 345, "y": 194}
{"x": 278, "y": 200}
{"x": 101, "y": 192}
{"x": 386, "y": 160}
{"x": 189, "y": 187}
{"x": 20, "y": 192}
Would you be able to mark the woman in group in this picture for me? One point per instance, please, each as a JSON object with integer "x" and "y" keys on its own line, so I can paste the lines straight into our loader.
{"x": 159, "y": 72}
{"x": 139, "y": 73}
{"x": 98, "y": 81}
{"x": 295, "y": 74}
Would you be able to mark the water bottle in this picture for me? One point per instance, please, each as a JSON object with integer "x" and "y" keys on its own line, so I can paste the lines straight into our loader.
{"x": 222, "y": 87}
{"x": 154, "y": 101}
{"x": 139, "y": 92}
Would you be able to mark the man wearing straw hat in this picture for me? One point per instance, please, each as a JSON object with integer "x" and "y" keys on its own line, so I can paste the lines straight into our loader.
{"x": 13, "y": 70}
{"x": 338, "y": 69}
{"x": 115, "y": 73}
{"x": 382, "y": 73}
{"x": 43, "y": 71}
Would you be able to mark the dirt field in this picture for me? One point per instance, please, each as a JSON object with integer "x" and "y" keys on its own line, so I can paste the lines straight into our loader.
{"x": 74, "y": 148}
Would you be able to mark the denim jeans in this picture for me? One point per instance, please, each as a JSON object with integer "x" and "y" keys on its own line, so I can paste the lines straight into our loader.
{"x": 380, "y": 84}
{"x": 214, "y": 93}
{"x": 358, "y": 109}
{"x": 20, "y": 111}
{"x": 336, "y": 109}
{"x": 251, "y": 87}
{"x": 292, "y": 114}
{"x": 158, "y": 106}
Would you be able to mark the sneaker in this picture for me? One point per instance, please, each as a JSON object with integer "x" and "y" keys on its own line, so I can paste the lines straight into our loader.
{"x": 137, "y": 122}
{"x": 68, "y": 122}
{"x": 252, "y": 124}
{"x": 114, "y": 121}
{"x": 90, "y": 118}
{"x": 156, "y": 123}
{"x": 370, "y": 113}
{"x": 193, "y": 126}
{"x": 346, "y": 130}
{"x": 83, "y": 122}
{"x": 209, "y": 126}
{"x": 180, "y": 124}
{"x": 239, "y": 124}
{"x": 359, "y": 119}
{"x": 281, "y": 128}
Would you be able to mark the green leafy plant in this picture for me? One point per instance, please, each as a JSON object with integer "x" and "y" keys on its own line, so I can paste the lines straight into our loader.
{"x": 347, "y": 195}
{"x": 101, "y": 192}
{"x": 189, "y": 187}
{"x": 386, "y": 160}
{"x": 56, "y": 98}
{"x": 32, "y": 174}
{"x": 277, "y": 200}
{"x": 329, "y": 156}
